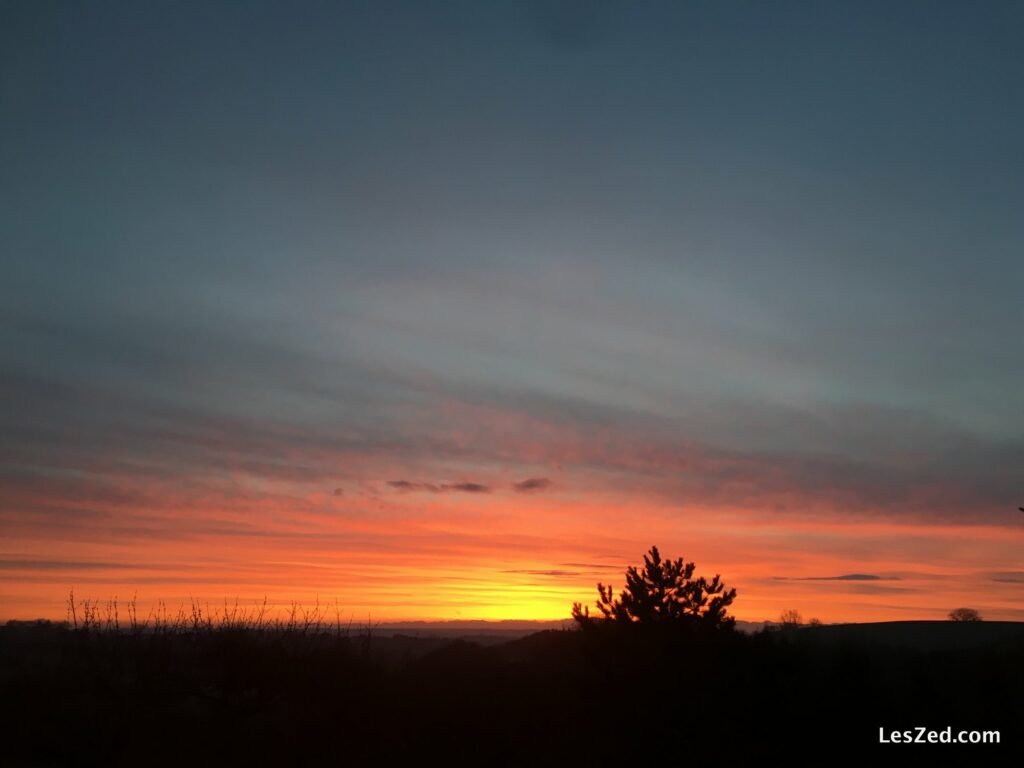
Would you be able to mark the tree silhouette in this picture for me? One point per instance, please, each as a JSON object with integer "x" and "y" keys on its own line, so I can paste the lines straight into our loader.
{"x": 665, "y": 591}
{"x": 964, "y": 614}
{"x": 791, "y": 618}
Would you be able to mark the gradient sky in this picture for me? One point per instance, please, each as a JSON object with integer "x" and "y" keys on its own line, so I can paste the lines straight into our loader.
{"x": 450, "y": 310}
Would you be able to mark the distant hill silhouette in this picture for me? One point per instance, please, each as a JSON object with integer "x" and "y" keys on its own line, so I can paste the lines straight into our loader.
{"x": 921, "y": 635}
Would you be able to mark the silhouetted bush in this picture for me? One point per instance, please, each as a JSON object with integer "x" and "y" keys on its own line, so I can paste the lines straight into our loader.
{"x": 664, "y": 592}
{"x": 791, "y": 618}
{"x": 964, "y": 614}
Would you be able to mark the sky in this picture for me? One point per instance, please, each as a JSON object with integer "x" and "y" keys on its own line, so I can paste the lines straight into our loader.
{"x": 452, "y": 310}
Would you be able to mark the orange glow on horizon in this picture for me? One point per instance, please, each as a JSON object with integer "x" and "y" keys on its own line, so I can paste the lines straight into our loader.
{"x": 497, "y": 557}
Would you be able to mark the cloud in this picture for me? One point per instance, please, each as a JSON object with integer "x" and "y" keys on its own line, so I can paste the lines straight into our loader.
{"x": 531, "y": 484}
{"x": 532, "y": 572}
{"x": 844, "y": 577}
{"x": 78, "y": 565}
{"x": 935, "y": 472}
{"x": 339, "y": 492}
{"x": 466, "y": 488}
{"x": 600, "y": 566}
{"x": 1009, "y": 577}
{"x": 407, "y": 485}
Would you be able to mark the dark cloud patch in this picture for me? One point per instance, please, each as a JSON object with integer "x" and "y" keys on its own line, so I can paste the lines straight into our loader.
{"x": 531, "y": 484}
{"x": 408, "y": 485}
{"x": 80, "y": 565}
{"x": 598, "y": 566}
{"x": 1009, "y": 577}
{"x": 466, "y": 488}
{"x": 844, "y": 577}
{"x": 555, "y": 573}
{"x": 138, "y": 580}
{"x": 339, "y": 492}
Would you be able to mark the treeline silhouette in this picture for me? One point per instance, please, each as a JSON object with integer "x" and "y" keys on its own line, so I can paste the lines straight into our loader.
{"x": 195, "y": 690}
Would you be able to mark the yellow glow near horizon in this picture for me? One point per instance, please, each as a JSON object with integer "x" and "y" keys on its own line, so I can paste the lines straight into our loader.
{"x": 503, "y": 559}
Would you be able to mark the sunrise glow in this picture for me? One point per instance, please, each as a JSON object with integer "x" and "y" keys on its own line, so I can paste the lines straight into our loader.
{"x": 452, "y": 315}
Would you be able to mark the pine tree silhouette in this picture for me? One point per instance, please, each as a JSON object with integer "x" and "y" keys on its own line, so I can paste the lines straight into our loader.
{"x": 664, "y": 591}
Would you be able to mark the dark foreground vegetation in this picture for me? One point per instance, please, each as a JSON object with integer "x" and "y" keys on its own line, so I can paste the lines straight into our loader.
{"x": 291, "y": 694}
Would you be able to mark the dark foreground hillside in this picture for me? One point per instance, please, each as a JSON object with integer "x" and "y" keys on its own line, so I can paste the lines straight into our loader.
{"x": 234, "y": 697}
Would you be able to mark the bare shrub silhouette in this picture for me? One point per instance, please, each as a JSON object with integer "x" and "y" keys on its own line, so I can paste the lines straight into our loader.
{"x": 791, "y": 618}
{"x": 196, "y": 618}
{"x": 964, "y": 614}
